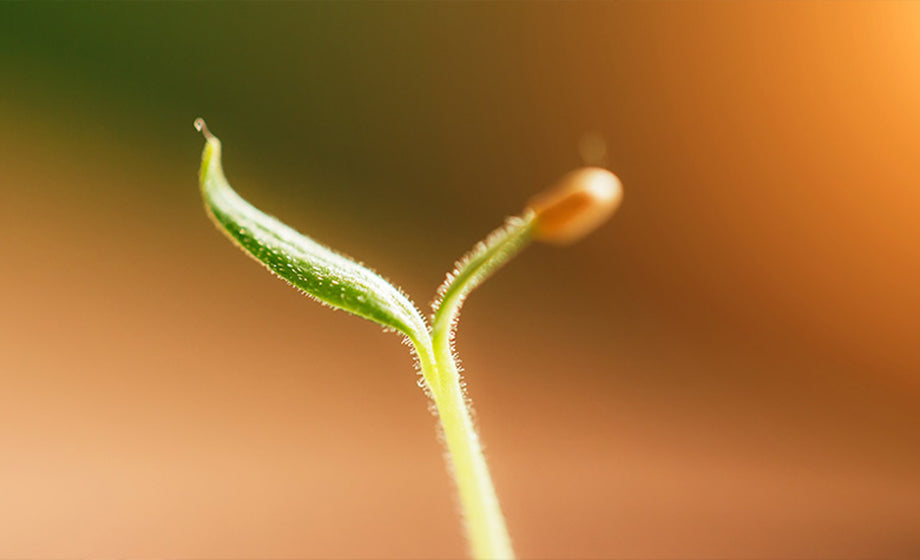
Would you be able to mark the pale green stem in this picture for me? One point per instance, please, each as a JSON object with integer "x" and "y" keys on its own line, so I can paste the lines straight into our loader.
{"x": 483, "y": 519}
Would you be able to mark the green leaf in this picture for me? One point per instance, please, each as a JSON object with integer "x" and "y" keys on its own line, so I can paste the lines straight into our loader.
{"x": 327, "y": 276}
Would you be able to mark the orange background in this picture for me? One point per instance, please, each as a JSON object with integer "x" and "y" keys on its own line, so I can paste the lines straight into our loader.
{"x": 728, "y": 369}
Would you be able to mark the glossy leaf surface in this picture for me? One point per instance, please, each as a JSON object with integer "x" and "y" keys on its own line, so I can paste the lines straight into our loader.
{"x": 317, "y": 271}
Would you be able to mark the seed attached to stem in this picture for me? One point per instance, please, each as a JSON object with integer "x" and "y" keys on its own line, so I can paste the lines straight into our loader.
{"x": 580, "y": 202}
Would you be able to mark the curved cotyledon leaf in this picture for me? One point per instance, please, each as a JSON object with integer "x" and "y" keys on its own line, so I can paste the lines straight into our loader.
{"x": 319, "y": 272}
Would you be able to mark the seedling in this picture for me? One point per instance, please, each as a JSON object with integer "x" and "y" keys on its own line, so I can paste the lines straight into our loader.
{"x": 582, "y": 201}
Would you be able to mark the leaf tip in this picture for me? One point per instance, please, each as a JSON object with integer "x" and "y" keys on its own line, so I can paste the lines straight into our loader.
{"x": 202, "y": 127}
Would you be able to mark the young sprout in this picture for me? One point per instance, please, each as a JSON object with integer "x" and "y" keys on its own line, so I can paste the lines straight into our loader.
{"x": 582, "y": 201}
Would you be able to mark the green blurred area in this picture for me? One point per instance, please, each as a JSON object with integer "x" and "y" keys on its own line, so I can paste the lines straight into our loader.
{"x": 407, "y": 100}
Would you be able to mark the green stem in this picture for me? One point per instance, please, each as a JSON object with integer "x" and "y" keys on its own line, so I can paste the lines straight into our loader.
{"x": 483, "y": 519}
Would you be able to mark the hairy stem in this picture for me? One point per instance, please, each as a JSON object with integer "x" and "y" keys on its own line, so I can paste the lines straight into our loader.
{"x": 483, "y": 520}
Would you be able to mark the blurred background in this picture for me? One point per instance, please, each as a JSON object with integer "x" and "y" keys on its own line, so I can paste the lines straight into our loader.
{"x": 730, "y": 368}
